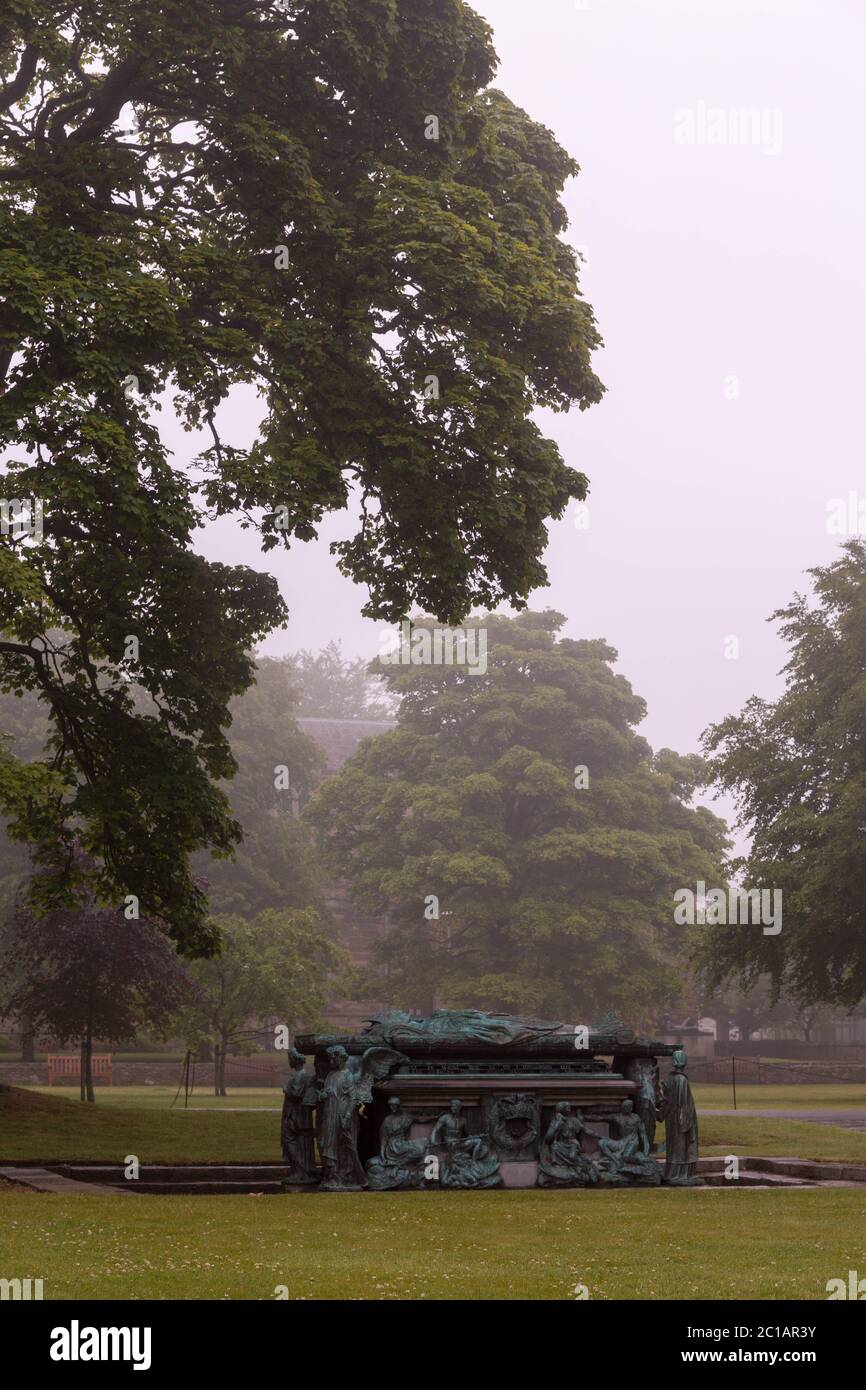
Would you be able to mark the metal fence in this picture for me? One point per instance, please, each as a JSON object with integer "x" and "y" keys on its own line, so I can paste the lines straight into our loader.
{"x": 761, "y": 1071}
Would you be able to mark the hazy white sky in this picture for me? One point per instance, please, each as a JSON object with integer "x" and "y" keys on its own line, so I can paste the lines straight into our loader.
{"x": 725, "y": 262}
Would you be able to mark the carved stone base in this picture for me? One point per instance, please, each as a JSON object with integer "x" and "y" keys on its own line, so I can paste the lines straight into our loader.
{"x": 629, "y": 1179}
{"x": 519, "y": 1174}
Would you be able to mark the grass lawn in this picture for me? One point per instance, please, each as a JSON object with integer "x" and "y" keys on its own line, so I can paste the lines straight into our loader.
{"x": 733, "y": 1134}
{"x": 161, "y": 1097}
{"x": 661, "y": 1244}
{"x": 805, "y": 1097}
{"x": 50, "y": 1127}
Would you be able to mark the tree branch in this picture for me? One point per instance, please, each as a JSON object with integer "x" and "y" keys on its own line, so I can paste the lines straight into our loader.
{"x": 12, "y": 91}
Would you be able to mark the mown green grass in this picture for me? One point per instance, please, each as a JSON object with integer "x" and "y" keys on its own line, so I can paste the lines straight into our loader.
{"x": 661, "y": 1244}
{"x": 715, "y": 1096}
{"x": 744, "y": 1135}
{"x": 51, "y": 1128}
{"x": 805, "y": 1097}
{"x": 161, "y": 1097}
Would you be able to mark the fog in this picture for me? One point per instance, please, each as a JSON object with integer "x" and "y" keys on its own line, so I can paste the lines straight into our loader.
{"x": 725, "y": 265}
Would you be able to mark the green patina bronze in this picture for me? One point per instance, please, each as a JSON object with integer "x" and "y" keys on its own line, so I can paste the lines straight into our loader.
{"x": 625, "y": 1158}
{"x": 400, "y": 1161}
{"x": 300, "y": 1098}
{"x": 677, "y": 1109}
{"x": 465, "y": 1099}
{"x": 563, "y": 1160}
{"x": 348, "y": 1086}
{"x": 467, "y": 1160}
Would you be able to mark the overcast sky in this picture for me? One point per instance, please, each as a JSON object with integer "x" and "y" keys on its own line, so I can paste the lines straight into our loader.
{"x": 728, "y": 281}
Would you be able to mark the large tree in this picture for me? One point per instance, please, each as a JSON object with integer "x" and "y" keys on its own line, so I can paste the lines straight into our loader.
{"x": 751, "y": 1011}
{"x": 797, "y": 767}
{"x": 85, "y": 974}
{"x": 332, "y": 686}
{"x": 521, "y": 837}
{"x": 277, "y": 768}
{"x": 24, "y": 730}
{"x": 325, "y": 201}
{"x": 280, "y": 965}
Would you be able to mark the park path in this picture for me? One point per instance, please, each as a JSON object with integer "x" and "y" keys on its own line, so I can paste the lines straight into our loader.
{"x": 44, "y": 1180}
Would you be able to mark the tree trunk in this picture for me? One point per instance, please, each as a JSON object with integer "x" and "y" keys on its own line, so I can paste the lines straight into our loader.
{"x": 219, "y": 1066}
{"x": 28, "y": 1041}
{"x": 82, "y": 1068}
{"x": 89, "y": 1060}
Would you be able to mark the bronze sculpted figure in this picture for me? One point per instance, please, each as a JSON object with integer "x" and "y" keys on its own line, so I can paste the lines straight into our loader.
{"x": 625, "y": 1157}
{"x": 677, "y": 1109}
{"x": 644, "y": 1072}
{"x": 563, "y": 1162}
{"x": 517, "y": 1122}
{"x": 347, "y": 1088}
{"x": 458, "y": 1026}
{"x": 400, "y": 1163}
{"x": 296, "y": 1126}
{"x": 468, "y": 1160}
{"x": 512, "y": 1123}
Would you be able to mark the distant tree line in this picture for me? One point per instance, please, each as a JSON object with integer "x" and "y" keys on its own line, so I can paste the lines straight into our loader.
{"x": 519, "y": 839}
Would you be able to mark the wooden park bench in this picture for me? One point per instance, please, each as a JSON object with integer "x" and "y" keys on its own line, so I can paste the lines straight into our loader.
{"x": 63, "y": 1067}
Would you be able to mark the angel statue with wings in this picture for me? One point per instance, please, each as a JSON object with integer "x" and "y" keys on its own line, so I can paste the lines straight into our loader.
{"x": 347, "y": 1088}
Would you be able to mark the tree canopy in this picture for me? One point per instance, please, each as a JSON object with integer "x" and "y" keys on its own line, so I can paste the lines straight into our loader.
{"x": 521, "y": 836}
{"x": 761, "y": 1008}
{"x": 797, "y": 767}
{"x": 332, "y": 686}
{"x": 326, "y": 202}
{"x": 271, "y": 867}
{"x": 87, "y": 973}
{"x": 24, "y": 730}
{"x": 279, "y": 964}
{"x": 277, "y": 768}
